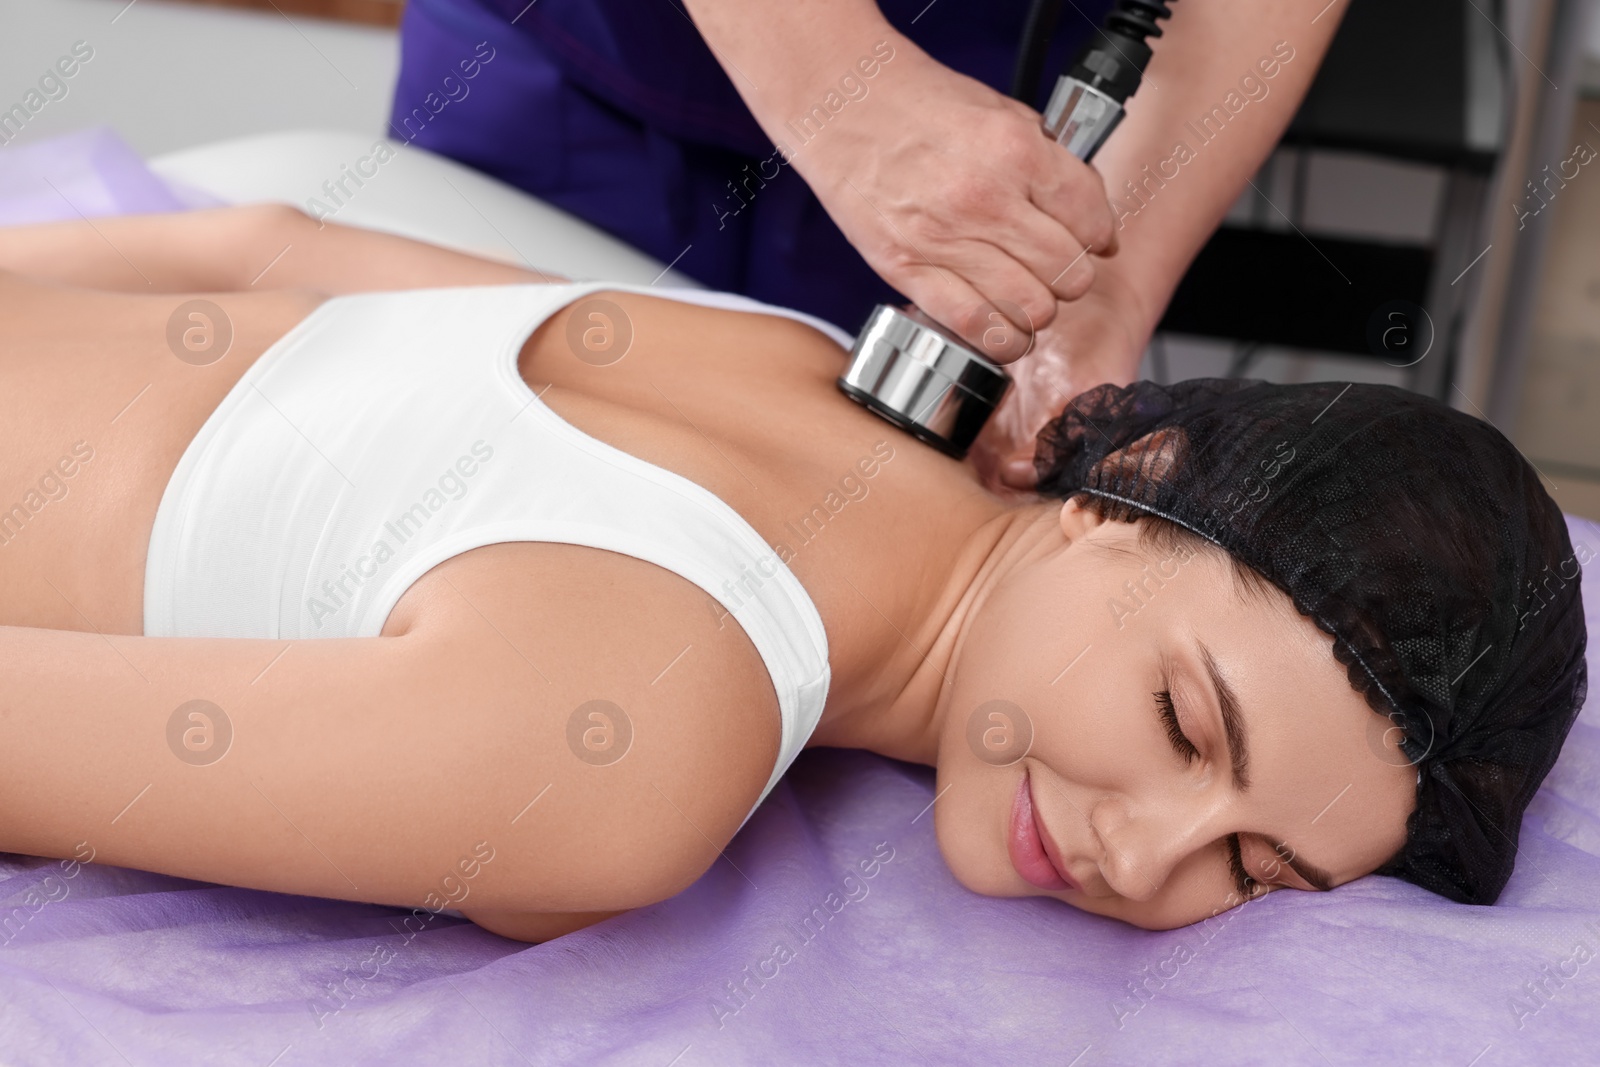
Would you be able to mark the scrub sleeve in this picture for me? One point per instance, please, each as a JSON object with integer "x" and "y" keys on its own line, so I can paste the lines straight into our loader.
{"x": 617, "y": 111}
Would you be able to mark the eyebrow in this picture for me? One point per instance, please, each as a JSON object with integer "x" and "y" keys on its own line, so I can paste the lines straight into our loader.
{"x": 1232, "y": 721}
{"x": 1320, "y": 880}
{"x": 1239, "y": 756}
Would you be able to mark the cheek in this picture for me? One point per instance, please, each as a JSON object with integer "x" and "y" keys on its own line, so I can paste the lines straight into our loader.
{"x": 998, "y": 678}
{"x": 985, "y": 735}
{"x": 1097, "y": 720}
{"x": 1029, "y": 633}
{"x": 1035, "y": 678}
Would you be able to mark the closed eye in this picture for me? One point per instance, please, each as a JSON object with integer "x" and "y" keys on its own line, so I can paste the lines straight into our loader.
{"x": 1246, "y": 886}
{"x": 1169, "y": 721}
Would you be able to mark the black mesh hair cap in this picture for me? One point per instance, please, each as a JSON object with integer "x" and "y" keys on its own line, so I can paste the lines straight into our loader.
{"x": 1414, "y": 534}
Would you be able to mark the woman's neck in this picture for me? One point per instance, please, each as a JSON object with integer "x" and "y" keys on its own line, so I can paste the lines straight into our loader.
{"x": 889, "y": 689}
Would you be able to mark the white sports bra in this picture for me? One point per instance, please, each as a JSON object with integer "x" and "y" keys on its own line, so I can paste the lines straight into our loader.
{"x": 388, "y": 432}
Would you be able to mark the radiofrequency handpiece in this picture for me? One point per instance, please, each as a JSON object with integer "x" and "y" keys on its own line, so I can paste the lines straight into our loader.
{"x": 1087, "y": 102}
{"x": 925, "y": 378}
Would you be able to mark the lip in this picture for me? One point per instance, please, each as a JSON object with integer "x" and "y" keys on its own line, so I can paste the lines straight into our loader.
{"x": 1033, "y": 854}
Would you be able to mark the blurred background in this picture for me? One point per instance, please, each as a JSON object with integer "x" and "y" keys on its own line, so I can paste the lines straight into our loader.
{"x": 1431, "y": 219}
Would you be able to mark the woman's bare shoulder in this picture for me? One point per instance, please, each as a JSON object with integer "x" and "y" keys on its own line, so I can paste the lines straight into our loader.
{"x": 655, "y": 725}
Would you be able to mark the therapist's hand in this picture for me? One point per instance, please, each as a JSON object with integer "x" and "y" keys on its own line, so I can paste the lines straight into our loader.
{"x": 1098, "y": 338}
{"x": 954, "y": 195}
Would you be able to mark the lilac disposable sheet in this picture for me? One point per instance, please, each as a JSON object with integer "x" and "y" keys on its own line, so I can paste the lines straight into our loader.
{"x": 101, "y": 965}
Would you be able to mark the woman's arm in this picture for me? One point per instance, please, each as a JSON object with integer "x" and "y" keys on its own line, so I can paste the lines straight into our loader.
{"x": 533, "y": 927}
{"x": 395, "y": 770}
{"x": 252, "y": 246}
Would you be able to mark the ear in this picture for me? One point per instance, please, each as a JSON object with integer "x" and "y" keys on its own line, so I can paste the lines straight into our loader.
{"x": 1077, "y": 520}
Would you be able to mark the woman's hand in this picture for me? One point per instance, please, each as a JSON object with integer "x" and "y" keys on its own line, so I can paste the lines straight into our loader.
{"x": 955, "y": 196}
{"x": 1097, "y": 338}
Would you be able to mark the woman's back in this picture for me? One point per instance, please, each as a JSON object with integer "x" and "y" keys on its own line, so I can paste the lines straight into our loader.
{"x": 743, "y": 405}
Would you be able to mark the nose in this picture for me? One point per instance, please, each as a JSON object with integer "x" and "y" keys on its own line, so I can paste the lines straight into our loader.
{"x": 1144, "y": 841}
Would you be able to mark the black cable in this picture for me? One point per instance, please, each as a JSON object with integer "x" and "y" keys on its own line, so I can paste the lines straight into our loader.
{"x": 1038, "y": 29}
{"x": 1138, "y": 19}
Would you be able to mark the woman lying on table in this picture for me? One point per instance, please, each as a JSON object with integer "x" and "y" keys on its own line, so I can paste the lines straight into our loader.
{"x": 341, "y": 564}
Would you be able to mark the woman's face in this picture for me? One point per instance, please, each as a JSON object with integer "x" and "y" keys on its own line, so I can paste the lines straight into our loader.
{"x": 1126, "y": 663}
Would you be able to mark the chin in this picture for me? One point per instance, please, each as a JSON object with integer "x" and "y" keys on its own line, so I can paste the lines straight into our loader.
{"x": 983, "y": 882}
{"x": 978, "y": 861}
{"x": 966, "y": 865}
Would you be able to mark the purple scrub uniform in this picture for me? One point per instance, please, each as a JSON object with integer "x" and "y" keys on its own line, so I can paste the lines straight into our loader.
{"x": 616, "y": 111}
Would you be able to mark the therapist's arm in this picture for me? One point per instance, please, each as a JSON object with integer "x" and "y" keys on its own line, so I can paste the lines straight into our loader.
{"x": 1208, "y": 49}
{"x": 947, "y": 188}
